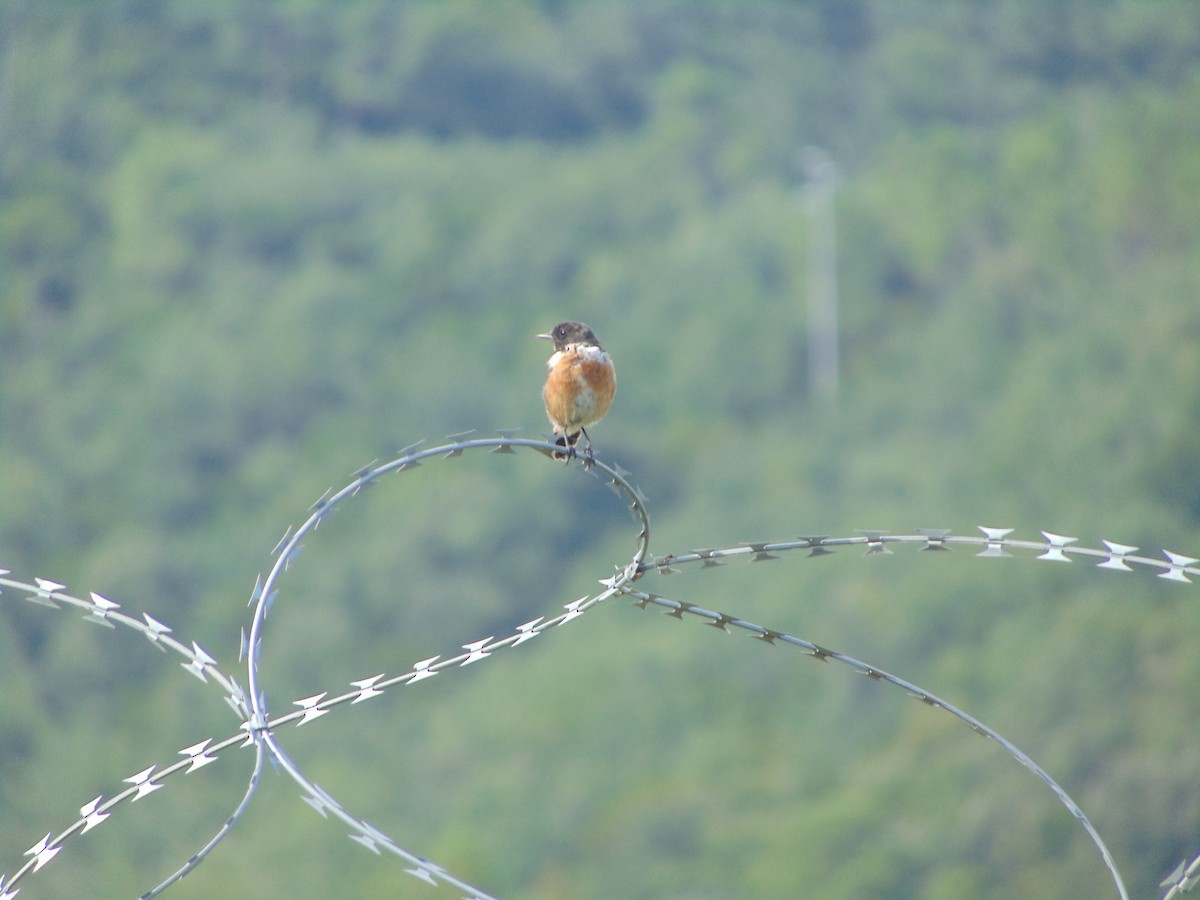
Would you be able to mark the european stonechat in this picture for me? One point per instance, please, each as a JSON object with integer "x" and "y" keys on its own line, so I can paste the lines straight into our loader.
{"x": 579, "y": 387}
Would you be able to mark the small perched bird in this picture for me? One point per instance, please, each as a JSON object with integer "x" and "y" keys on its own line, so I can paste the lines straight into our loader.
{"x": 579, "y": 387}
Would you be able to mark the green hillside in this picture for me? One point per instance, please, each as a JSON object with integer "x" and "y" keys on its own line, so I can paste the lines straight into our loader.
{"x": 248, "y": 247}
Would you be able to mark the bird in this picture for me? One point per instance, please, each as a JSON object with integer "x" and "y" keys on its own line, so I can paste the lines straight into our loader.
{"x": 580, "y": 384}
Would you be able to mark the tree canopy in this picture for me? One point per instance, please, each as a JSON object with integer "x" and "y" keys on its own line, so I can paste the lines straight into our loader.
{"x": 247, "y": 247}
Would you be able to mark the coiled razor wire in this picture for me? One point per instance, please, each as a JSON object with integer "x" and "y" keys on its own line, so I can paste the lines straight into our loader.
{"x": 258, "y": 726}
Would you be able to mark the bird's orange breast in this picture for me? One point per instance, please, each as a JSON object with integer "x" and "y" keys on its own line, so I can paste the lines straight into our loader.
{"x": 579, "y": 389}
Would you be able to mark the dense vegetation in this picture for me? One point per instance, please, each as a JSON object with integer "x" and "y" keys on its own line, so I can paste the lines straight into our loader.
{"x": 247, "y": 247}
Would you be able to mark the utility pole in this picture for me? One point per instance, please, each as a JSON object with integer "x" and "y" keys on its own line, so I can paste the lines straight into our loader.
{"x": 820, "y": 183}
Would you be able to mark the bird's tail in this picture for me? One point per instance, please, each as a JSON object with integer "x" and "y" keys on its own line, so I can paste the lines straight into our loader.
{"x": 566, "y": 441}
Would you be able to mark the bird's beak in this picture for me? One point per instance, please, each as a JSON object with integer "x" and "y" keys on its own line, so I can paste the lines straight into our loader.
{"x": 545, "y": 337}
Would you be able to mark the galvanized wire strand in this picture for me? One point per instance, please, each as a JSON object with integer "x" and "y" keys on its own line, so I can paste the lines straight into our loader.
{"x": 315, "y": 706}
{"x": 259, "y": 728}
{"x": 678, "y": 610}
{"x": 994, "y": 543}
{"x": 222, "y": 832}
{"x": 102, "y": 611}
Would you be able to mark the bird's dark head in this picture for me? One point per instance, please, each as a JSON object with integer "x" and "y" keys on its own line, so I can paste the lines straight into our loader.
{"x": 567, "y": 333}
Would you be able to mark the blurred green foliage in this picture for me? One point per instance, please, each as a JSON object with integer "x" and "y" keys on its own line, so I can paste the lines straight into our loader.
{"x": 247, "y": 247}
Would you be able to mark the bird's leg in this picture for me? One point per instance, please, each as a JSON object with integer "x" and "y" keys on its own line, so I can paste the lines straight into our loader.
{"x": 589, "y": 458}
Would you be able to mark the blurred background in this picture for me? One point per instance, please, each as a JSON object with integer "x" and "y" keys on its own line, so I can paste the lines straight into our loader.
{"x": 247, "y": 247}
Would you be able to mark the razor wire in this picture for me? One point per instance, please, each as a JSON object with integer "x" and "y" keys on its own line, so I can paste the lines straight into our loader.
{"x": 258, "y": 727}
